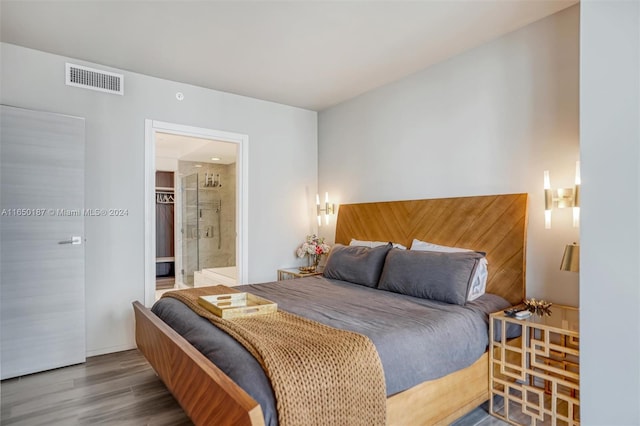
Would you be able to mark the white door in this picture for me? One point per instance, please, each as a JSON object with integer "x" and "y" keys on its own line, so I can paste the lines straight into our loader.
{"x": 42, "y": 318}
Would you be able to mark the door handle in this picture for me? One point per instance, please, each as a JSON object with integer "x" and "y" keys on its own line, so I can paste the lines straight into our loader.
{"x": 73, "y": 240}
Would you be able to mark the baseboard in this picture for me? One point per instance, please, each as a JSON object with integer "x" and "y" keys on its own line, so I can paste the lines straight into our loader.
{"x": 109, "y": 350}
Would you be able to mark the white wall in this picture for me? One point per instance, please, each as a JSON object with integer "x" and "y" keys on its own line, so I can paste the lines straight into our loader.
{"x": 488, "y": 121}
{"x": 610, "y": 255}
{"x": 282, "y": 174}
{"x": 166, "y": 164}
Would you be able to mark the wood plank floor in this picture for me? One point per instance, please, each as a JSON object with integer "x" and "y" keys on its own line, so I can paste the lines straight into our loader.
{"x": 115, "y": 389}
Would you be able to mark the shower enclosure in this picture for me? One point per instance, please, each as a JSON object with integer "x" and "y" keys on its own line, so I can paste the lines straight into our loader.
{"x": 208, "y": 225}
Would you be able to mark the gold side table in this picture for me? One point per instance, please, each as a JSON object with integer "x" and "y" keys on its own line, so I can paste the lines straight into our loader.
{"x": 290, "y": 273}
{"x": 538, "y": 373}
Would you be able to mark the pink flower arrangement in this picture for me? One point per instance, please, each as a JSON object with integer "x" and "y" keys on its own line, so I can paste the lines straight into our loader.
{"x": 313, "y": 246}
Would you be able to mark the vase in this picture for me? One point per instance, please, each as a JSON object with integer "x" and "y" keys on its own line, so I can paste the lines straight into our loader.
{"x": 312, "y": 261}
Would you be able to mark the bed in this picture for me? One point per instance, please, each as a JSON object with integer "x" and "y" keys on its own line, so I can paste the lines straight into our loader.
{"x": 492, "y": 224}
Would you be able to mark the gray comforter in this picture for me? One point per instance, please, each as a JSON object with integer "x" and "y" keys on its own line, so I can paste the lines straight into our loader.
{"x": 417, "y": 339}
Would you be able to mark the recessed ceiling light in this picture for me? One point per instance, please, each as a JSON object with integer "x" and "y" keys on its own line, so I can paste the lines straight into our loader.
{"x": 215, "y": 159}
{"x": 198, "y": 165}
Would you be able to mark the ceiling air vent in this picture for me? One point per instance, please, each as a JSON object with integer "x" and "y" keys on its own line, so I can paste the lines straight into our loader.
{"x": 89, "y": 78}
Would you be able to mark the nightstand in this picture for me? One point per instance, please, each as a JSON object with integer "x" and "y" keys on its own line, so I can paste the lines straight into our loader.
{"x": 537, "y": 374}
{"x": 290, "y": 273}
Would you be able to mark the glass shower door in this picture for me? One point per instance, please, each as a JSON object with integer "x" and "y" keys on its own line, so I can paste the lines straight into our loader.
{"x": 190, "y": 231}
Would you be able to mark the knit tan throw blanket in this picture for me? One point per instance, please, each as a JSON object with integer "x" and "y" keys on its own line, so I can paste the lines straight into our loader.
{"x": 320, "y": 375}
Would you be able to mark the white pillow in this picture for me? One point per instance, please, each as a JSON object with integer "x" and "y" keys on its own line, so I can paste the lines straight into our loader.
{"x": 372, "y": 244}
{"x": 479, "y": 282}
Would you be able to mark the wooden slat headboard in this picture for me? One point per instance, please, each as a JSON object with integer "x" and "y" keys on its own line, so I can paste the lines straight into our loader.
{"x": 494, "y": 224}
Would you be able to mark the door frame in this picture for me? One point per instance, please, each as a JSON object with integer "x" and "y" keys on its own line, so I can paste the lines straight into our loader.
{"x": 242, "y": 196}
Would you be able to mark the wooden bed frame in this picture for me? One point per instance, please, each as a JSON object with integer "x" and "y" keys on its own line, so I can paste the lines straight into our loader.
{"x": 494, "y": 224}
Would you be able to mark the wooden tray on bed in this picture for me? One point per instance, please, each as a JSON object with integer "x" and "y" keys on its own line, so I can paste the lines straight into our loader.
{"x": 237, "y": 305}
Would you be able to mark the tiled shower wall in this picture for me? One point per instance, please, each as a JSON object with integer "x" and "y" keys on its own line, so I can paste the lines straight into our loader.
{"x": 217, "y": 236}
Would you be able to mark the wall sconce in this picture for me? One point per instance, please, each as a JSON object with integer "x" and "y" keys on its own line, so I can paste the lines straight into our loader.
{"x": 329, "y": 208}
{"x": 571, "y": 258}
{"x": 561, "y": 198}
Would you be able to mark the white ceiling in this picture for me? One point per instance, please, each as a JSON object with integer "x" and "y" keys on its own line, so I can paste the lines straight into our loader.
{"x": 310, "y": 54}
{"x": 187, "y": 148}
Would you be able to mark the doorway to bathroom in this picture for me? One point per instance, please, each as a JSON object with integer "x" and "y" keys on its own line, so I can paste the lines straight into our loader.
{"x": 195, "y": 211}
{"x": 195, "y": 190}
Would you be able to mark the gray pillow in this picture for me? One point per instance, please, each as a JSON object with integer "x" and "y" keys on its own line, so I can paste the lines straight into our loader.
{"x": 356, "y": 264}
{"x": 445, "y": 277}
